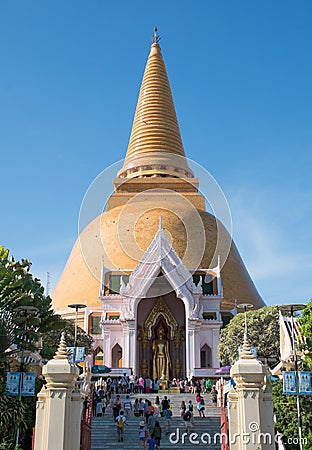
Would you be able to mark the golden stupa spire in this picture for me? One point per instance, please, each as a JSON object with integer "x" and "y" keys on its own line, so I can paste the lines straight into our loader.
{"x": 155, "y": 146}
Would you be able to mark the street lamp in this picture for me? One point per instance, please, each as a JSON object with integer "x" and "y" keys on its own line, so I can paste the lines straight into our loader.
{"x": 292, "y": 308}
{"x": 76, "y": 306}
{"x": 28, "y": 311}
{"x": 245, "y": 306}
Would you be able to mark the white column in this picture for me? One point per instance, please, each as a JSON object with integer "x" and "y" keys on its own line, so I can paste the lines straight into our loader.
{"x": 214, "y": 349}
{"x": 132, "y": 345}
{"x": 107, "y": 350}
{"x": 126, "y": 344}
{"x": 59, "y": 405}
{"x": 197, "y": 345}
{"x": 187, "y": 343}
{"x": 87, "y": 312}
{"x": 191, "y": 344}
{"x": 250, "y": 408}
{"x": 232, "y": 401}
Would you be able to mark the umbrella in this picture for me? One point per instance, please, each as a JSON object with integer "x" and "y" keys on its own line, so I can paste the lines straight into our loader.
{"x": 223, "y": 370}
{"x": 100, "y": 369}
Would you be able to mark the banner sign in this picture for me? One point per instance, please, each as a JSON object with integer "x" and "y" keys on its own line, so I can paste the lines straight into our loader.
{"x": 25, "y": 387}
{"x": 13, "y": 381}
{"x": 227, "y": 386}
{"x": 80, "y": 354}
{"x": 305, "y": 383}
{"x": 28, "y": 384}
{"x": 289, "y": 383}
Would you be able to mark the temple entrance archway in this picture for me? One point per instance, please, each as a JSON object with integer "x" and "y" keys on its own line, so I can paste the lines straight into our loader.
{"x": 205, "y": 356}
{"x": 161, "y": 337}
{"x": 116, "y": 356}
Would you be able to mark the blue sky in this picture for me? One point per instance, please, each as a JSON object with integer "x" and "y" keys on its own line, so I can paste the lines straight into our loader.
{"x": 241, "y": 76}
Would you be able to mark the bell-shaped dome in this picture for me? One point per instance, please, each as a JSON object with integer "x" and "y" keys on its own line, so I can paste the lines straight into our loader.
{"x": 123, "y": 238}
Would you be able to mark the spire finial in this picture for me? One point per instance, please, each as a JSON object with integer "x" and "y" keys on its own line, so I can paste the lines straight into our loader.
{"x": 62, "y": 352}
{"x": 156, "y": 37}
{"x": 160, "y": 222}
{"x": 246, "y": 352}
{"x": 155, "y": 145}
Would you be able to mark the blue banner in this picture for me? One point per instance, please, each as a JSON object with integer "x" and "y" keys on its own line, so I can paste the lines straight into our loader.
{"x": 13, "y": 381}
{"x": 28, "y": 384}
{"x": 289, "y": 383}
{"x": 305, "y": 384}
{"x": 80, "y": 354}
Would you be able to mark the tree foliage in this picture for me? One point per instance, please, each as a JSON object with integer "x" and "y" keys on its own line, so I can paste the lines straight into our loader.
{"x": 51, "y": 339}
{"x": 285, "y": 411}
{"x": 263, "y": 333}
{"x": 18, "y": 289}
{"x": 20, "y": 329}
{"x": 306, "y": 330}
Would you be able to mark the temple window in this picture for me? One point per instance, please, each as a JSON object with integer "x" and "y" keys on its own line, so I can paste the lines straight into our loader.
{"x": 114, "y": 282}
{"x": 98, "y": 356}
{"x": 112, "y": 315}
{"x": 208, "y": 282}
{"x": 226, "y": 317}
{"x": 209, "y": 316}
{"x": 94, "y": 324}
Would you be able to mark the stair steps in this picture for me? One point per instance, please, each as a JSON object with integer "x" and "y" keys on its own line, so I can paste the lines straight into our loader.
{"x": 104, "y": 429}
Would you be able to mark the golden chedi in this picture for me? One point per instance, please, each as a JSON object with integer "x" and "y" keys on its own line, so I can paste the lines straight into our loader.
{"x": 156, "y": 196}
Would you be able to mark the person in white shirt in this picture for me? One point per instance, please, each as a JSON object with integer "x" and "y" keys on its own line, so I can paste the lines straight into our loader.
{"x": 127, "y": 405}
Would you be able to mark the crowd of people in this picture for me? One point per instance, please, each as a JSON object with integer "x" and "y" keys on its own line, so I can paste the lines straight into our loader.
{"x": 153, "y": 414}
{"x": 129, "y": 384}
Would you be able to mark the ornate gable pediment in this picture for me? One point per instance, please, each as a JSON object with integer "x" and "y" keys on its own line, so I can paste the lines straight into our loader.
{"x": 159, "y": 257}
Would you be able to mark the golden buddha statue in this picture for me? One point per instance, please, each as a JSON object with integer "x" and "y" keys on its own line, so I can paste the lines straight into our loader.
{"x": 161, "y": 356}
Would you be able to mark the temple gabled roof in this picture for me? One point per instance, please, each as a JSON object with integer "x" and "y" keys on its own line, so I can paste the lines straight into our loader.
{"x": 160, "y": 258}
{"x": 155, "y": 145}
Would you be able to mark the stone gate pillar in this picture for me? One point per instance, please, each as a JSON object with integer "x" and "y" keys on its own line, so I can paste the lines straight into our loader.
{"x": 59, "y": 405}
{"x": 250, "y": 406}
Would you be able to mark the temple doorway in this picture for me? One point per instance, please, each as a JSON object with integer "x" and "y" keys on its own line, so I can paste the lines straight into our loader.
{"x": 205, "y": 356}
{"x": 161, "y": 337}
{"x": 117, "y": 356}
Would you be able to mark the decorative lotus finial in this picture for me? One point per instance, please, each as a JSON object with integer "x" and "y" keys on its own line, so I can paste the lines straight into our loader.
{"x": 62, "y": 352}
{"x": 246, "y": 352}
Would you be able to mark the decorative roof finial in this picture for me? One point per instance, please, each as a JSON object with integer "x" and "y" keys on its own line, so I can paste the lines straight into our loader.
{"x": 62, "y": 352}
{"x": 160, "y": 222}
{"x": 156, "y": 37}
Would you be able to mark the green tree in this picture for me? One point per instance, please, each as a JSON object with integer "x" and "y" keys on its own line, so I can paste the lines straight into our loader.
{"x": 18, "y": 289}
{"x": 20, "y": 330}
{"x": 263, "y": 333}
{"x": 51, "y": 339}
{"x": 306, "y": 330}
{"x": 285, "y": 411}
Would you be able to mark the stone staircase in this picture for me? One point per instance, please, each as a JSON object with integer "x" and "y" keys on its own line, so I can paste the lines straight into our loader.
{"x": 104, "y": 429}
